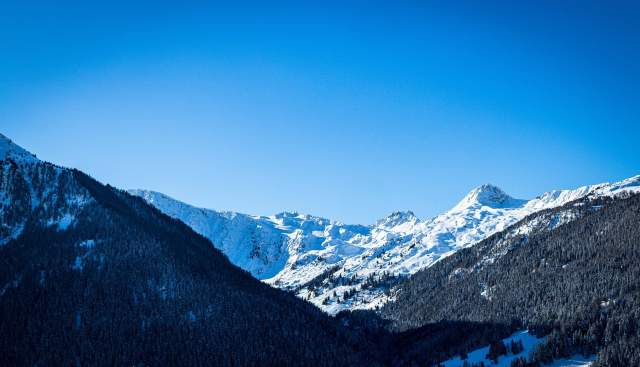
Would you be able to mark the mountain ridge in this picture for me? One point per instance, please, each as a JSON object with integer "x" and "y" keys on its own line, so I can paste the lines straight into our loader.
{"x": 340, "y": 267}
{"x": 333, "y": 265}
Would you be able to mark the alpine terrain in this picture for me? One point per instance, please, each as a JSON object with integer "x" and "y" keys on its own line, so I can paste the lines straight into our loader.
{"x": 93, "y": 275}
{"x": 568, "y": 274}
{"x": 338, "y": 266}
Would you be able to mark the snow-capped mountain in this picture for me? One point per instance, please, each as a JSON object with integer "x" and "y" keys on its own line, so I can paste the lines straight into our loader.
{"x": 338, "y": 266}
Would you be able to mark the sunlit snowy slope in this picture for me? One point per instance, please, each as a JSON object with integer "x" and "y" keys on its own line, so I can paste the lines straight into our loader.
{"x": 338, "y": 266}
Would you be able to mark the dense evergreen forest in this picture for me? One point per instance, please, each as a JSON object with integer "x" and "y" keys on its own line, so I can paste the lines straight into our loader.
{"x": 125, "y": 285}
{"x": 579, "y": 282}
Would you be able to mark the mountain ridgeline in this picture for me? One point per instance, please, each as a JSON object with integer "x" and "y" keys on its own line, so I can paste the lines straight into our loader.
{"x": 347, "y": 267}
{"x": 91, "y": 275}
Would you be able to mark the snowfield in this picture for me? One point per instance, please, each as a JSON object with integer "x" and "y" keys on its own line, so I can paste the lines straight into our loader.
{"x": 529, "y": 342}
{"x": 338, "y": 266}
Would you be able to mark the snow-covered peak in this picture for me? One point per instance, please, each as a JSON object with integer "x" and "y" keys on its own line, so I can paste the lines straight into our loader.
{"x": 396, "y": 219}
{"x": 283, "y": 215}
{"x": 487, "y": 195}
{"x": 295, "y": 218}
{"x": 339, "y": 266}
{"x": 10, "y": 150}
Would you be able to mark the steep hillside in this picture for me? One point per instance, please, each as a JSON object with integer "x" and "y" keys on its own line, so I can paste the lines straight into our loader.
{"x": 571, "y": 271}
{"x": 91, "y": 275}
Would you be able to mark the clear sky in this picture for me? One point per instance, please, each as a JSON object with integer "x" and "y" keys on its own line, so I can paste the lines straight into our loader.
{"x": 344, "y": 111}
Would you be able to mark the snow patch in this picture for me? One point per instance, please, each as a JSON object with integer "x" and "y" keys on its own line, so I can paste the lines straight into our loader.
{"x": 88, "y": 244}
{"x": 65, "y": 222}
{"x": 42, "y": 278}
{"x": 77, "y": 264}
{"x": 191, "y": 316}
{"x": 575, "y": 361}
{"x": 529, "y": 343}
{"x": 12, "y": 284}
{"x": 16, "y": 231}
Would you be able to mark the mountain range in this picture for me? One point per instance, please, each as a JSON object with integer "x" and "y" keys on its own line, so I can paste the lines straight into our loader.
{"x": 338, "y": 266}
{"x": 94, "y": 275}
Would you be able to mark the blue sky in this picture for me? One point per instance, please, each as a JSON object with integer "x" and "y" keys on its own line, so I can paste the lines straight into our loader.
{"x": 348, "y": 111}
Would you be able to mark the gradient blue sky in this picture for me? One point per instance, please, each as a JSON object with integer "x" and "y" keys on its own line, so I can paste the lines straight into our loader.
{"x": 345, "y": 111}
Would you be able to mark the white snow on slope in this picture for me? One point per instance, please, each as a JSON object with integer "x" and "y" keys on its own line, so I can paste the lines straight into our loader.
{"x": 256, "y": 244}
{"x": 529, "y": 342}
{"x": 338, "y": 266}
{"x": 19, "y": 168}
{"x": 10, "y": 150}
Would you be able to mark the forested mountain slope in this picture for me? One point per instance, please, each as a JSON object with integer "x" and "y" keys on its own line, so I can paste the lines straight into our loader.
{"x": 571, "y": 271}
{"x": 90, "y": 275}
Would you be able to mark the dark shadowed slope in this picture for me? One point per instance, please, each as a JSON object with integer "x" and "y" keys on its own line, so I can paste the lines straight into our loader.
{"x": 90, "y": 275}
